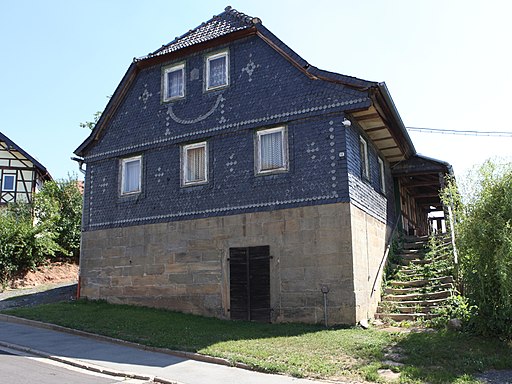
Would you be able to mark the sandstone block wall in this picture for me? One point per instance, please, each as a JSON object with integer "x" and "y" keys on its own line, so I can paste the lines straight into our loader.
{"x": 184, "y": 265}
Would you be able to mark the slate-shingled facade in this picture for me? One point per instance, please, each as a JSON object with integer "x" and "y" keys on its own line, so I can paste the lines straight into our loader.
{"x": 240, "y": 242}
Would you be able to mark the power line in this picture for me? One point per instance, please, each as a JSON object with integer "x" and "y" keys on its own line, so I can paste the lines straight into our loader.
{"x": 456, "y": 132}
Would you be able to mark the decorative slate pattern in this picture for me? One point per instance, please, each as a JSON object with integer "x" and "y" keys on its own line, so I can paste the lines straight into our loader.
{"x": 264, "y": 91}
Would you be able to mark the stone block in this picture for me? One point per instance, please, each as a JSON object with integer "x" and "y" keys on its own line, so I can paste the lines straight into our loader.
{"x": 118, "y": 261}
{"x": 155, "y": 269}
{"x": 161, "y": 291}
{"x": 110, "y": 291}
{"x": 204, "y": 267}
{"x": 121, "y": 281}
{"x": 150, "y": 280}
{"x": 89, "y": 292}
{"x": 180, "y": 278}
{"x": 135, "y": 252}
{"x": 156, "y": 250}
{"x": 291, "y": 274}
{"x": 203, "y": 289}
{"x": 188, "y": 257}
{"x": 134, "y": 291}
{"x": 118, "y": 251}
{"x": 293, "y": 299}
{"x": 133, "y": 270}
{"x": 206, "y": 278}
{"x": 273, "y": 228}
{"x": 211, "y": 256}
{"x": 176, "y": 268}
{"x": 134, "y": 235}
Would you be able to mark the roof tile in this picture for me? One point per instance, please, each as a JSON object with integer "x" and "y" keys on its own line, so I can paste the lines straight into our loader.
{"x": 222, "y": 24}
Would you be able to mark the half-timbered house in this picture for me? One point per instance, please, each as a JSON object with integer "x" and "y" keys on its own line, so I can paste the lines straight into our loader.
{"x": 21, "y": 175}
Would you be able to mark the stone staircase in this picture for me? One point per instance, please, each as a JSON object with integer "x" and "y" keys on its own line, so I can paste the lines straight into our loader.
{"x": 420, "y": 281}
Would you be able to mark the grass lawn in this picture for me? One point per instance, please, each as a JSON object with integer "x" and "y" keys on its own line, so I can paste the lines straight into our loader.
{"x": 295, "y": 349}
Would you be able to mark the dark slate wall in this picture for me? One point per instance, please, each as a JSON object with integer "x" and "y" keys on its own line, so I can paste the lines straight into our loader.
{"x": 364, "y": 193}
{"x": 265, "y": 90}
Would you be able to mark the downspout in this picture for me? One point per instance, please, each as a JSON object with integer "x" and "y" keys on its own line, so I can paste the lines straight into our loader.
{"x": 80, "y": 162}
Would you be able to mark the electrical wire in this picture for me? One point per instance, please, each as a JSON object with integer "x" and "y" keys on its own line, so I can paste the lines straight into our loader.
{"x": 456, "y": 132}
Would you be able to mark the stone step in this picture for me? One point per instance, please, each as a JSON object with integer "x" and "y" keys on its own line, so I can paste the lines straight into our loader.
{"x": 406, "y": 309}
{"x": 418, "y": 296}
{"x": 411, "y": 255}
{"x": 416, "y": 261}
{"x": 421, "y": 303}
{"x": 417, "y": 245}
{"x": 422, "y": 282}
{"x": 405, "y": 316}
{"x": 407, "y": 290}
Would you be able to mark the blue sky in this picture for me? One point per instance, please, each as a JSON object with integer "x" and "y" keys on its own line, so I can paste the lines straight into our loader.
{"x": 447, "y": 63}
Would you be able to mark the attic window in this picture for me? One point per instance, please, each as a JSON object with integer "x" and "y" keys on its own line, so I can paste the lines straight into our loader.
{"x": 363, "y": 153}
{"x": 8, "y": 183}
{"x": 174, "y": 82}
{"x": 217, "y": 69}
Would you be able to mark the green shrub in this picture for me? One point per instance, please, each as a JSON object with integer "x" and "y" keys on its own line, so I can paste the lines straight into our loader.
{"x": 456, "y": 307}
{"x": 48, "y": 229}
{"x": 23, "y": 245}
{"x": 484, "y": 240}
{"x": 59, "y": 205}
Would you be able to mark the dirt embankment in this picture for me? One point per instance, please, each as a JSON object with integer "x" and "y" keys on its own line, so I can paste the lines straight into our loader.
{"x": 54, "y": 273}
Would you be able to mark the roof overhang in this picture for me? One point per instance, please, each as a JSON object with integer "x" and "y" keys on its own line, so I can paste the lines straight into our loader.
{"x": 383, "y": 125}
{"x": 423, "y": 178}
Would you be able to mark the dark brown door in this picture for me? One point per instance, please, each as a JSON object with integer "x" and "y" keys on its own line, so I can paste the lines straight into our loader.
{"x": 250, "y": 283}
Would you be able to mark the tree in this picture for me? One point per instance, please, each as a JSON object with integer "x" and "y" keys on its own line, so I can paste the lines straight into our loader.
{"x": 91, "y": 124}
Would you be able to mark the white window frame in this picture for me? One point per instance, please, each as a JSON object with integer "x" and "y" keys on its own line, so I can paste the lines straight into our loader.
{"x": 184, "y": 163}
{"x": 207, "y": 67}
{"x": 382, "y": 176}
{"x": 13, "y": 183}
{"x": 365, "y": 166}
{"x": 166, "y": 72}
{"x": 123, "y": 172}
{"x": 284, "y": 149}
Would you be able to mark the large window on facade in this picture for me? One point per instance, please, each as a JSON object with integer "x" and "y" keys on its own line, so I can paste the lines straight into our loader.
{"x": 217, "y": 70}
{"x": 194, "y": 160}
{"x": 271, "y": 150}
{"x": 174, "y": 82}
{"x": 382, "y": 176}
{"x": 363, "y": 153}
{"x": 131, "y": 175}
{"x": 8, "y": 183}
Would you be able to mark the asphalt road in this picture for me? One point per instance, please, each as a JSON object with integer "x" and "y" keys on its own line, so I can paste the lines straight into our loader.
{"x": 26, "y": 369}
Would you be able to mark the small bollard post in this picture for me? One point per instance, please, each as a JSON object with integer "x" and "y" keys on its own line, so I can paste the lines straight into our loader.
{"x": 325, "y": 291}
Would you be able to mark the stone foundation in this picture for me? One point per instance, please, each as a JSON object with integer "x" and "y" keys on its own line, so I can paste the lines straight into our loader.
{"x": 184, "y": 265}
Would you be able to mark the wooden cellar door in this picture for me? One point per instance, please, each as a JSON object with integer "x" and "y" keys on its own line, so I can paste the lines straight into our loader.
{"x": 250, "y": 283}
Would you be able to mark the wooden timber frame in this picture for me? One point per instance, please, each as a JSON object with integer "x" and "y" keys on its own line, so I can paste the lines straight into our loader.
{"x": 20, "y": 174}
{"x": 419, "y": 181}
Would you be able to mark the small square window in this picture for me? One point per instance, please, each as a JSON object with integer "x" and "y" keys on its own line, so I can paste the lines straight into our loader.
{"x": 382, "y": 176}
{"x": 217, "y": 69}
{"x": 131, "y": 175}
{"x": 271, "y": 150}
{"x": 194, "y": 160}
{"x": 8, "y": 183}
{"x": 174, "y": 82}
{"x": 363, "y": 153}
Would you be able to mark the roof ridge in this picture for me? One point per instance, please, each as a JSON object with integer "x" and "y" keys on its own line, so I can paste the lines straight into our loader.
{"x": 228, "y": 13}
